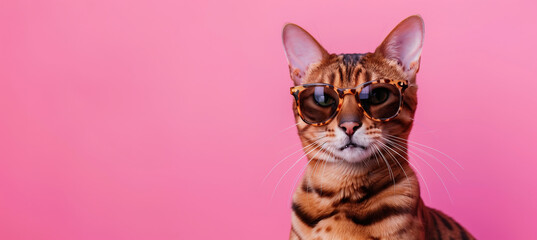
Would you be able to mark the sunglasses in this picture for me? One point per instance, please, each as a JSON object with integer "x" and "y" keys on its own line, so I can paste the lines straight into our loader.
{"x": 318, "y": 103}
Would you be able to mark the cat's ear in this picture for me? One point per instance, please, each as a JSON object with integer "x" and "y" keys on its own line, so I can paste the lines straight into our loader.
{"x": 302, "y": 50}
{"x": 404, "y": 44}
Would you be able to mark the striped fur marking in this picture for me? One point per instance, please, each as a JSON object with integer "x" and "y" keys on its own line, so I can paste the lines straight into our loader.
{"x": 380, "y": 214}
{"x": 307, "y": 219}
{"x": 321, "y": 192}
{"x": 443, "y": 220}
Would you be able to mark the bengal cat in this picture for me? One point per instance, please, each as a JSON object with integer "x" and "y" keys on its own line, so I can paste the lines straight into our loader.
{"x": 354, "y": 113}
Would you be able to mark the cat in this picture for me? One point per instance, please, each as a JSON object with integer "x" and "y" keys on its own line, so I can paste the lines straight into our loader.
{"x": 351, "y": 110}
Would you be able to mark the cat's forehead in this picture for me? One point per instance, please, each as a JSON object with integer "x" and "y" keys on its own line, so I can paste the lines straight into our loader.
{"x": 350, "y": 70}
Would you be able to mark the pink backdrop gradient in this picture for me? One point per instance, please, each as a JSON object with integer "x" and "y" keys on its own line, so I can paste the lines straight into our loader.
{"x": 159, "y": 119}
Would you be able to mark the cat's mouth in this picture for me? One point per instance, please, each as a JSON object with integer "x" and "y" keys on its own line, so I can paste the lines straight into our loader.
{"x": 352, "y": 145}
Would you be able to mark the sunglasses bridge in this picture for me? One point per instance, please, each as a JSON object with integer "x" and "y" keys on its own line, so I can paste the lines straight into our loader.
{"x": 346, "y": 91}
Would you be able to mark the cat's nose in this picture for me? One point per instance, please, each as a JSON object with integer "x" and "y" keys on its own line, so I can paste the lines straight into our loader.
{"x": 350, "y": 127}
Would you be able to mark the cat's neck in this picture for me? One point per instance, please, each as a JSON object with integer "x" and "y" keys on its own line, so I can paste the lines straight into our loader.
{"x": 354, "y": 181}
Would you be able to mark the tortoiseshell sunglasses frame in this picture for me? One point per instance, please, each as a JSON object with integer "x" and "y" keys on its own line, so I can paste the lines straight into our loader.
{"x": 400, "y": 84}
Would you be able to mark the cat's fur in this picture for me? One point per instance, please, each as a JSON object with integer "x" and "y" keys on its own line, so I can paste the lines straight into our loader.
{"x": 369, "y": 192}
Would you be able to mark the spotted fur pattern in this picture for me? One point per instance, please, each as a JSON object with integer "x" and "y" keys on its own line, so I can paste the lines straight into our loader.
{"x": 377, "y": 197}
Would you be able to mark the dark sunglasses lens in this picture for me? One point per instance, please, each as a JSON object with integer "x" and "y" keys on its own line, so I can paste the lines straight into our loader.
{"x": 318, "y": 104}
{"x": 381, "y": 100}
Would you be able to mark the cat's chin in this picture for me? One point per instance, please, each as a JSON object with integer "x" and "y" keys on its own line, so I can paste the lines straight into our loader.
{"x": 355, "y": 154}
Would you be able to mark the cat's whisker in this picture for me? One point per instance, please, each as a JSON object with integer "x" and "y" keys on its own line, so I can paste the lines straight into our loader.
{"x": 300, "y": 143}
{"x": 322, "y": 174}
{"x": 397, "y": 162}
{"x": 329, "y": 149}
{"x": 291, "y": 146}
{"x": 302, "y": 170}
{"x": 325, "y": 151}
{"x": 399, "y": 143}
{"x": 412, "y": 165}
{"x": 376, "y": 157}
{"x": 289, "y": 169}
{"x": 387, "y": 165}
{"x": 278, "y": 163}
{"x": 319, "y": 150}
{"x": 438, "y": 175}
{"x": 413, "y": 143}
{"x": 395, "y": 159}
{"x": 287, "y": 128}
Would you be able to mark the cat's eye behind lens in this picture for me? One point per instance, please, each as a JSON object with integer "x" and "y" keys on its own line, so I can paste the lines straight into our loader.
{"x": 380, "y": 101}
{"x": 318, "y": 104}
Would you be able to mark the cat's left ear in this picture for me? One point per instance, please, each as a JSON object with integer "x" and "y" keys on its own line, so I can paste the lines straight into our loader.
{"x": 301, "y": 50}
{"x": 404, "y": 44}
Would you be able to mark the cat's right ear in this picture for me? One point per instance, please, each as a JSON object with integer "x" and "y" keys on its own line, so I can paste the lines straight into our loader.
{"x": 302, "y": 50}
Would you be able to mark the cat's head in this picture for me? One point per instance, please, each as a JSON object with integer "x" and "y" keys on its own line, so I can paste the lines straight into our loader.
{"x": 351, "y": 127}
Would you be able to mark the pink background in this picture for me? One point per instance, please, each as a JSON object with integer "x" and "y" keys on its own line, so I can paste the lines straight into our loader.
{"x": 159, "y": 120}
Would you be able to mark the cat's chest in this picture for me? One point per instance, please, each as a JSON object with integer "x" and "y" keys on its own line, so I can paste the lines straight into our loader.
{"x": 341, "y": 226}
{"x": 356, "y": 210}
